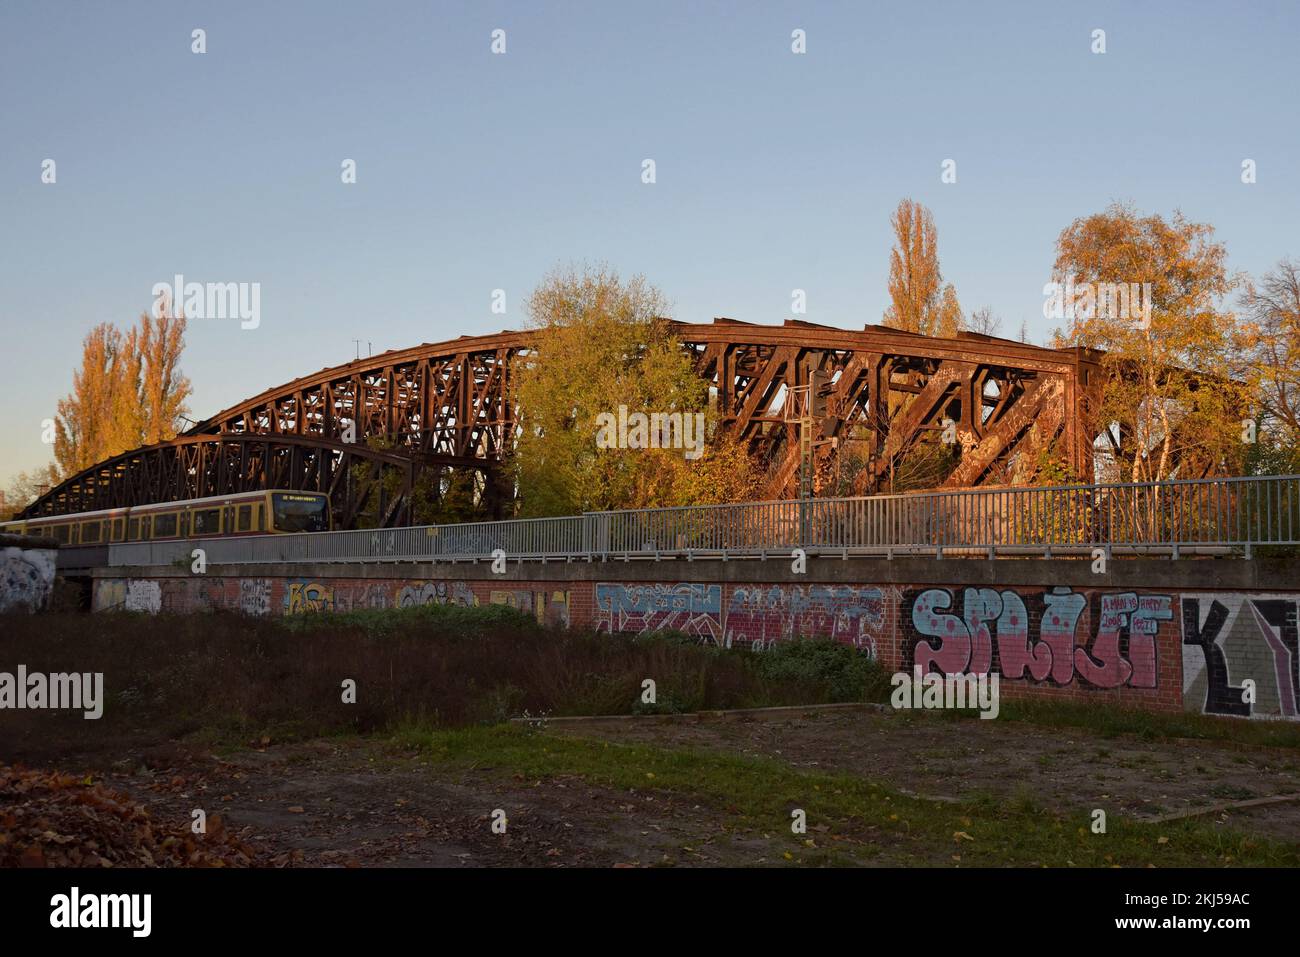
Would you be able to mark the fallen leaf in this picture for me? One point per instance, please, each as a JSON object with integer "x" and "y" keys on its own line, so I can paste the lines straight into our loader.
{"x": 32, "y": 856}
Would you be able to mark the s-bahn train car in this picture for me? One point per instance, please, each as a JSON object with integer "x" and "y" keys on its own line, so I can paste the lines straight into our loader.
{"x": 274, "y": 512}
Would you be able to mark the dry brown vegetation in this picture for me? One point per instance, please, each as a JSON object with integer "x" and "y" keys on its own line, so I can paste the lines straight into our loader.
{"x": 231, "y": 679}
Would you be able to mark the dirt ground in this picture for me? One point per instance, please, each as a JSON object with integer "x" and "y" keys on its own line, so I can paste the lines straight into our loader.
{"x": 358, "y": 802}
{"x": 362, "y": 803}
{"x": 1056, "y": 768}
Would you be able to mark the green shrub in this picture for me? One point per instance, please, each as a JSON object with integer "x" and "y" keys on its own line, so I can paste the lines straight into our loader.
{"x": 847, "y": 673}
{"x": 451, "y": 619}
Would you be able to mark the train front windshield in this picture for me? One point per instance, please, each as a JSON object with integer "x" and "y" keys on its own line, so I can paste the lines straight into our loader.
{"x": 300, "y": 513}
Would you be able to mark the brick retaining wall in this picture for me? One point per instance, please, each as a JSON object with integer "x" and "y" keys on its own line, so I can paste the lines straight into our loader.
{"x": 1164, "y": 635}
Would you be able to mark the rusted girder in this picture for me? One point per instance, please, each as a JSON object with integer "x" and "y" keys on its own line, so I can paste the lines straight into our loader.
{"x": 450, "y": 404}
{"x": 365, "y": 486}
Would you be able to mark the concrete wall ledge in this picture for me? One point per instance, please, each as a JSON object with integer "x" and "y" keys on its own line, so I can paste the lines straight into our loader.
{"x": 1258, "y": 574}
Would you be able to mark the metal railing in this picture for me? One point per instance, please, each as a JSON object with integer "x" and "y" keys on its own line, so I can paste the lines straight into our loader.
{"x": 1209, "y": 516}
{"x": 530, "y": 538}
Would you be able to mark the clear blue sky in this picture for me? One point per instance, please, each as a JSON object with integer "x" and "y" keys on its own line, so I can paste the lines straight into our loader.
{"x": 477, "y": 172}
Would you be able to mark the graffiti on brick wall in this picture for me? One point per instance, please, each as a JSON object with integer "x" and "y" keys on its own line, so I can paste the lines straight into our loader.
{"x": 143, "y": 596}
{"x": 436, "y": 593}
{"x": 556, "y": 612}
{"x": 109, "y": 594}
{"x": 339, "y": 595}
{"x": 117, "y": 594}
{"x": 548, "y": 607}
{"x": 1232, "y": 642}
{"x": 412, "y": 595}
{"x": 1036, "y": 635}
{"x": 26, "y": 578}
{"x": 695, "y": 609}
{"x": 759, "y": 615}
{"x": 198, "y": 594}
{"x": 255, "y": 596}
{"x": 358, "y": 596}
{"x": 303, "y": 596}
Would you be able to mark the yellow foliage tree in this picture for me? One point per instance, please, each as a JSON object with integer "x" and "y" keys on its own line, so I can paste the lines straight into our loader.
{"x": 163, "y": 389}
{"x": 1271, "y": 344}
{"x": 919, "y": 301}
{"x": 602, "y": 344}
{"x": 949, "y": 320}
{"x": 128, "y": 392}
{"x": 1171, "y": 406}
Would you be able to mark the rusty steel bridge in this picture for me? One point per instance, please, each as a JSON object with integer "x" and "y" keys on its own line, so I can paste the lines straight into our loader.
{"x": 364, "y": 432}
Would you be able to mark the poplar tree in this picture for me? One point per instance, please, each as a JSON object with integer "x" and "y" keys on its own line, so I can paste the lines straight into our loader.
{"x": 127, "y": 392}
{"x": 164, "y": 391}
{"x": 919, "y": 300}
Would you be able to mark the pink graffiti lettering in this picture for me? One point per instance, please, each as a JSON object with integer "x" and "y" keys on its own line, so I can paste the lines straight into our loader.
{"x": 999, "y": 620}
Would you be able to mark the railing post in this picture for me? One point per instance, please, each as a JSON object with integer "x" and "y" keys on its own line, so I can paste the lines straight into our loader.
{"x": 1139, "y": 516}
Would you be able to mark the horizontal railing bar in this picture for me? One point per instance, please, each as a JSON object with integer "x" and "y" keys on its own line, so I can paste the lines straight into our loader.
{"x": 1182, "y": 516}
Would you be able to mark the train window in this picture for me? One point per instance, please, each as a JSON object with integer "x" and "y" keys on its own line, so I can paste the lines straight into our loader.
{"x": 146, "y": 524}
{"x": 133, "y": 529}
{"x": 207, "y": 522}
{"x": 117, "y": 529}
{"x": 60, "y": 534}
{"x": 245, "y": 521}
{"x": 164, "y": 526}
{"x": 89, "y": 532}
{"x": 300, "y": 513}
{"x": 261, "y": 518}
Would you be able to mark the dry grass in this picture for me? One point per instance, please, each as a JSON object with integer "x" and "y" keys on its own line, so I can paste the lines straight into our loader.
{"x": 230, "y": 680}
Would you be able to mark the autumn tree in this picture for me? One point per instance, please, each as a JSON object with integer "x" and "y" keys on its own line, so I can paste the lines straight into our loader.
{"x": 984, "y": 322}
{"x": 920, "y": 301}
{"x": 601, "y": 343}
{"x": 86, "y": 428}
{"x": 1271, "y": 353}
{"x": 163, "y": 390}
{"x": 949, "y": 319}
{"x": 1170, "y": 405}
{"x": 25, "y": 487}
{"x": 128, "y": 392}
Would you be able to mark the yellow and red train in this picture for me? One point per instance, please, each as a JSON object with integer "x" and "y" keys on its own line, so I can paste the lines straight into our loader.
{"x": 277, "y": 511}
